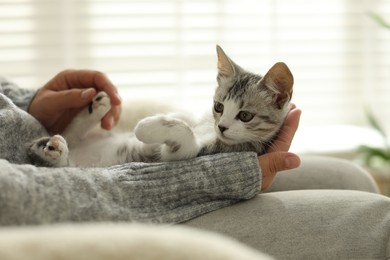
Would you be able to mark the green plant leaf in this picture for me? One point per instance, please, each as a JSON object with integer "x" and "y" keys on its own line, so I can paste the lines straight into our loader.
{"x": 370, "y": 153}
{"x": 374, "y": 151}
{"x": 379, "y": 19}
{"x": 374, "y": 122}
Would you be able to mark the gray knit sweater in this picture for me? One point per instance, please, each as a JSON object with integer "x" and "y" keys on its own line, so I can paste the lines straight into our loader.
{"x": 145, "y": 192}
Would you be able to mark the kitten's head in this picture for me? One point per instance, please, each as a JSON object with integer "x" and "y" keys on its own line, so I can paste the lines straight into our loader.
{"x": 247, "y": 106}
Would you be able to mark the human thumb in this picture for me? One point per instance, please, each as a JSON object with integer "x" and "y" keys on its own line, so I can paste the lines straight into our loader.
{"x": 72, "y": 98}
{"x": 272, "y": 163}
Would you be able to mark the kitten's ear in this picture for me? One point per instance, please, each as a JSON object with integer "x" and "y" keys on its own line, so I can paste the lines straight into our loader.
{"x": 226, "y": 67}
{"x": 279, "y": 80}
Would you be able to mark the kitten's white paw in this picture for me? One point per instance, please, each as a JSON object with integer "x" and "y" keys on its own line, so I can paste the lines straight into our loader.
{"x": 99, "y": 105}
{"x": 87, "y": 119}
{"x": 159, "y": 129}
{"x": 56, "y": 150}
{"x": 176, "y": 136}
{"x": 146, "y": 130}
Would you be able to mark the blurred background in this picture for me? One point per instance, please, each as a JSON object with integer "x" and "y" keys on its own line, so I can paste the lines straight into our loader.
{"x": 338, "y": 51}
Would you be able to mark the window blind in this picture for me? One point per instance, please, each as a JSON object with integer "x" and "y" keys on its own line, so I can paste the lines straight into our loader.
{"x": 165, "y": 49}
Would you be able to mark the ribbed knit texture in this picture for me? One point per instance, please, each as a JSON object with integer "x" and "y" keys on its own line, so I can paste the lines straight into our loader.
{"x": 160, "y": 193}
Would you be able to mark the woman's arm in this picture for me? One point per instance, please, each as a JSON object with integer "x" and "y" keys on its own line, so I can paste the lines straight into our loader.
{"x": 161, "y": 193}
{"x": 20, "y": 97}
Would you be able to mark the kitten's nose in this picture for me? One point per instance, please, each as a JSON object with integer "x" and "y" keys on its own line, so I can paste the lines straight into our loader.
{"x": 222, "y": 128}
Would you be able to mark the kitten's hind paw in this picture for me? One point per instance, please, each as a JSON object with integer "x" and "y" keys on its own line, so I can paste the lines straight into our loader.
{"x": 56, "y": 150}
{"x": 49, "y": 151}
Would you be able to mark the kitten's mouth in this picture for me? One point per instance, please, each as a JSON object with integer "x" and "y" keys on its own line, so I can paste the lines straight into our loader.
{"x": 227, "y": 140}
{"x": 226, "y": 136}
{"x": 223, "y": 137}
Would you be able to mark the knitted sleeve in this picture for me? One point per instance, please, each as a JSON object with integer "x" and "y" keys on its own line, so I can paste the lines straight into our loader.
{"x": 20, "y": 97}
{"x": 171, "y": 192}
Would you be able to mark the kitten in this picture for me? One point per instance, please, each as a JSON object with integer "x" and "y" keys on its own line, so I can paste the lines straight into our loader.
{"x": 248, "y": 112}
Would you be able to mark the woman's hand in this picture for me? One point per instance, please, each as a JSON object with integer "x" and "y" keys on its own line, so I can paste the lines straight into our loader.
{"x": 59, "y": 101}
{"x": 278, "y": 158}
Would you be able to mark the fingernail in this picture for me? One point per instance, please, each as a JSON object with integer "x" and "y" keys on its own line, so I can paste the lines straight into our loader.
{"x": 111, "y": 122}
{"x": 119, "y": 97}
{"x": 87, "y": 93}
{"x": 292, "y": 162}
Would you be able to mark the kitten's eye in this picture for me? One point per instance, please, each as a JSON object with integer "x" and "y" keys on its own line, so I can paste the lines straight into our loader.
{"x": 245, "y": 116}
{"x": 218, "y": 107}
